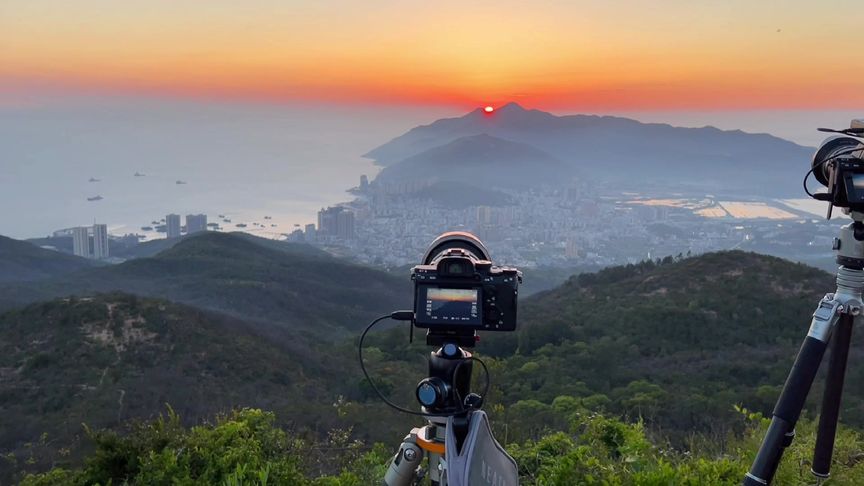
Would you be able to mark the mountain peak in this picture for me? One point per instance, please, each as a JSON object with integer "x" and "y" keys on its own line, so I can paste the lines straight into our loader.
{"x": 511, "y": 107}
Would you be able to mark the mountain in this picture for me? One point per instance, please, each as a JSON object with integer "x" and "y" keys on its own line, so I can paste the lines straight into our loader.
{"x": 481, "y": 160}
{"x": 624, "y": 151}
{"x": 154, "y": 247}
{"x": 290, "y": 284}
{"x": 110, "y": 358}
{"x": 676, "y": 342}
{"x": 23, "y": 261}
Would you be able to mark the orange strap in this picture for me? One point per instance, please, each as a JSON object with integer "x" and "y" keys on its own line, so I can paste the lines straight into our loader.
{"x": 430, "y": 446}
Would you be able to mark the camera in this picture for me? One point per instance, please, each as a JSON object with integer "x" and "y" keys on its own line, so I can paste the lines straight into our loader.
{"x": 839, "y": 165}
{"x": 458, "y": 290}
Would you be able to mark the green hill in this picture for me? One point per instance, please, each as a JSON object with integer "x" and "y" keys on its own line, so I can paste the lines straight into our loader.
{"x": 110, "y": 358}
{"x": 249, "y": 277}
{"x": 154, "y": 247}
{"x": 22, "y": 261}
{"x": 677, "y": 343}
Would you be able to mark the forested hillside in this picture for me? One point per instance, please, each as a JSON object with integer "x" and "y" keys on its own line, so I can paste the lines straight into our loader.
{"x": 251, "y": 278}
{"x": 674, "y": 345}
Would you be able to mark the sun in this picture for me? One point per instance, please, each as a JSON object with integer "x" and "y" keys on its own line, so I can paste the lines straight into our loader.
{"x": 489, "y": 109}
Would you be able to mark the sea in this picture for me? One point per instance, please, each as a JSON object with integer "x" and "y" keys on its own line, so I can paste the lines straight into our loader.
{"x": 269, "y": 166}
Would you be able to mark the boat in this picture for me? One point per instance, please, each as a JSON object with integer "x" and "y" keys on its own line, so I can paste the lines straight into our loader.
{"x": 93, "y": 179}
{"x": 138, "y": 174}
{"x": 146, "y": 228}
{"x": 240, "y": 225}
{"x": 179, "y": 182}
{"x": 95, "y": 198}
{"x": 267, "y": 217}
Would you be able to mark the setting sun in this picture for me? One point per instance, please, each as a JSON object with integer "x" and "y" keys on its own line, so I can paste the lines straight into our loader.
{"x": 489, "y": 109}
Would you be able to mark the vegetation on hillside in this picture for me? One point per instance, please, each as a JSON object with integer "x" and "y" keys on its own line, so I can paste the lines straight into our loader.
{"x": 671, "y": 344}
{"x": 286, "y": 284}
{"x": 246, "y": 448}
{"x": 106, "y": 359}
{"x": 22, "y": 261}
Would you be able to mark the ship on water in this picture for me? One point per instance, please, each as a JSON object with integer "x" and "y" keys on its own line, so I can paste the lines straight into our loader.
{"x": 95, "y": 198}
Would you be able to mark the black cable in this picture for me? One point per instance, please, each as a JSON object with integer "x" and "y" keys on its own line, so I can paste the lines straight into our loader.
{"x": 820, "y": 164}
{"x": 485, "y": 388}
{"x": 402, "y": 316}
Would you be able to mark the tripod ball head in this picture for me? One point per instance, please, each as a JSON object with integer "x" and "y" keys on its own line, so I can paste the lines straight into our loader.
{"x": 432, "y": 392}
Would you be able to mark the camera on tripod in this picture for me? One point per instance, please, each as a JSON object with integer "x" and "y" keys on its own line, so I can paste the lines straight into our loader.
{"x": 457, "y": 291}
{"x": 839, "y": 165}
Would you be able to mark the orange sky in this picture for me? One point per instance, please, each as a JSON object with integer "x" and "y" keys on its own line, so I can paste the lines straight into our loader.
{"x": 696, "y": 54}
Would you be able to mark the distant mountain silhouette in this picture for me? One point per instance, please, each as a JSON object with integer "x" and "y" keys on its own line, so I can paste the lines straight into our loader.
{"x": 624, "y": 150}
{"x": 481, "y": 160}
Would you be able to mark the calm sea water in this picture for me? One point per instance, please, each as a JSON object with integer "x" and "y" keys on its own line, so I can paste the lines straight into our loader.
{"x": 245, "y": 161}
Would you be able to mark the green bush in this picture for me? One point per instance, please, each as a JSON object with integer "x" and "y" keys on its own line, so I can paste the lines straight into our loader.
{"x": 247, "y": 448}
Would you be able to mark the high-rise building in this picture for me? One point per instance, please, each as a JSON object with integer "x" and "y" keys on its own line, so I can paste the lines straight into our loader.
{"x": 485, "y": 215}
{"x": 336, "y": 222}
{"x": 310, "y": 235}
{"x": 196, "y": 223}
{"x": 100, "y": 241}
{"x": 81, "y": 241}
{"x": 327, "y": 221}
{"x": 345, "y": 225}
{"x": 172, "y": 225}
{"x": 364, "y": 182}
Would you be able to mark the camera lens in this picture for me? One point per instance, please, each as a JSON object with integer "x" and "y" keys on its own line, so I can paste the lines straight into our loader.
{"x": 831, "y": 148}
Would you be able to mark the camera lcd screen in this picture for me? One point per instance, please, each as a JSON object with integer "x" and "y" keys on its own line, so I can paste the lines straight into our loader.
{"x": 453, "y": 306}
{"x": 858, "y": 181}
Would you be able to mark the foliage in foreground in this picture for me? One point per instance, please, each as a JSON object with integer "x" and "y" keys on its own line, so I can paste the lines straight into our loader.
{"x": 247, "y": 448}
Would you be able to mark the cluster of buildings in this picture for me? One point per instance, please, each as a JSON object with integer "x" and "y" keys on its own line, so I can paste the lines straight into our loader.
{"x": 582, "y": 225}
{"x": 194, "y": 223}
{"x": 90, "y": 241}
{"x": 336, "y": 226}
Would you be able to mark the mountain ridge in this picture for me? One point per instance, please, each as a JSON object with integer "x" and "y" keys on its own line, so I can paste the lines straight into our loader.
{"x": 624, "y": 150}
{"x": 483, "y": 159}
{"x": 23, "y": 261}
{"x": 282, "y": 283}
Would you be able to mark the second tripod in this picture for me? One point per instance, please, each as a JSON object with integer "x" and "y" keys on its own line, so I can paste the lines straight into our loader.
{"x": 832, "y": 323}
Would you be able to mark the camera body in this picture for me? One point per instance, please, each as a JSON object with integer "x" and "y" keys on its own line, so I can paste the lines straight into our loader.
{"x": 838, "y": 164}
{"x": 458, "y": 290}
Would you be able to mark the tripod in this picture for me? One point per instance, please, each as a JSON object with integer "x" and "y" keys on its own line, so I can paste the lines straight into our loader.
{"x": 445, "y": 391}
{"x": 832, "y": 323}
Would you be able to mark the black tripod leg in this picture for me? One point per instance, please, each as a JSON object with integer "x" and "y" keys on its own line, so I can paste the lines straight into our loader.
{"x": 824, "y": 449}
{"x": 786, "y": 412}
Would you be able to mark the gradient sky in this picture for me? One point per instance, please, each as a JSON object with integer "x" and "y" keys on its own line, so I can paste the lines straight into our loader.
{"x": 597, "y": 55}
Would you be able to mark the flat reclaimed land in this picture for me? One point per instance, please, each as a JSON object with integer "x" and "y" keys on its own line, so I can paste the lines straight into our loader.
{"x": 754, "y": 210}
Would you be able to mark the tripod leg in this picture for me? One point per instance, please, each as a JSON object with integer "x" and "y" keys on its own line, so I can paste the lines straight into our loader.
{"x": 788, "y": 408}
{"x": 824, "y": 449}
{"x": 403, "y": 467}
